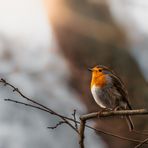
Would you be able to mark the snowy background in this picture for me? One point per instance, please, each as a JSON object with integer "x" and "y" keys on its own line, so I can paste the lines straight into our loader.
{"x": 30, "y": 60}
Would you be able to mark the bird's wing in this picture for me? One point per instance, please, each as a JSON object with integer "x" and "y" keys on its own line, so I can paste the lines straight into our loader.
{"x": 119, "y": 85}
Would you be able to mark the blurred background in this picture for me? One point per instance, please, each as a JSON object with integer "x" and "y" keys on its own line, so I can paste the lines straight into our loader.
{"x": 46, "y": 47}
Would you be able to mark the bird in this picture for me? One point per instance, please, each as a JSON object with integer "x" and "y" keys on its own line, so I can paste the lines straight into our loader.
{"x": 109, "y": 91}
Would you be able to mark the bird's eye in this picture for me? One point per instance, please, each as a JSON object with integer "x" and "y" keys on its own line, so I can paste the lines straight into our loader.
{"x": 100, "y": 70}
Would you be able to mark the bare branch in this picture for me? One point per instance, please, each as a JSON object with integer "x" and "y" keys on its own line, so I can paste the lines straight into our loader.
{"x": 70, "y": 119}
{"x": 140, "y": 144}
{"x": 74, "y": 117}
{"x": 115, "y": 113}
{"x": 53, "y": 127}
{"x": 26, "y": 104}
{"x": 36, "y": 103}
{"x": 86, "y": 117}
{"x": 83, "y": 118}
{"x": 139, "y": 132}
{"x": 37, "y": 107}
{"x": 114, "y": 135}
{"x": 81, "y": 133}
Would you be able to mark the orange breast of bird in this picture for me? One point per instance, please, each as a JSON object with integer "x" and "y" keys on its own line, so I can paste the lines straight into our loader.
{"x": 98, "y": 81}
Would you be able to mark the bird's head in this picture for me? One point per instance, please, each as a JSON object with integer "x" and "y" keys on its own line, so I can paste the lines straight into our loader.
{"x": 99, "y": 75}
{"x": 100, "y": 70}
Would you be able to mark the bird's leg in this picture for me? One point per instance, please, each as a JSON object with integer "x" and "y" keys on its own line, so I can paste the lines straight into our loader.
{"x": 116, "y": 108}
{"x": 102, "y": 110}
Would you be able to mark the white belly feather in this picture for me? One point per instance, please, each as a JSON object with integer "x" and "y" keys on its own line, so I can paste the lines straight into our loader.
{"x": 95, "y": 92}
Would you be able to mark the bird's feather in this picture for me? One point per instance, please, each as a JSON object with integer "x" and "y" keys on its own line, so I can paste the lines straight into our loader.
{"x": 119, "y": 85}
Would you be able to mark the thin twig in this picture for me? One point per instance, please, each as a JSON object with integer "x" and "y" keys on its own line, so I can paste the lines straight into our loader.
{"x": 140, "y": 144}
{"x": 32, "y": 101}
{"x": 74, "y": 117}
{"x": 139, "y": 132}
{"x": 53, "y": 127}
{"x": 114, "y": 135}
{"x": 37, "y": 107}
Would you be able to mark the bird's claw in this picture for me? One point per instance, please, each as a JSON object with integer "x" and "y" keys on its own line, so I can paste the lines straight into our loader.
{"x": 102, "y": 110}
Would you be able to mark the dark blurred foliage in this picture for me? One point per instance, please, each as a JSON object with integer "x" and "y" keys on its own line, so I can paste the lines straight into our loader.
{"x": 88, "y": 36}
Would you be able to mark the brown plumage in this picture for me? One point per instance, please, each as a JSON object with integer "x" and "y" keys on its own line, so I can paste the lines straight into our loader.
{"x": 109, "y": 91}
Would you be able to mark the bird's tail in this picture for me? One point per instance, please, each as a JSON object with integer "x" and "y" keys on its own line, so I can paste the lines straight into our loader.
{"x": 130, "y": 123}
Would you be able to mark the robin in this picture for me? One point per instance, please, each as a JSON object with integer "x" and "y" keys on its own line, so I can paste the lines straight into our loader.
{"x": 109, "y": 91}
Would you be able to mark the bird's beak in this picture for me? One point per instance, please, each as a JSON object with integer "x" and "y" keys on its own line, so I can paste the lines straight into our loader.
{"x": 90, "y": 69}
